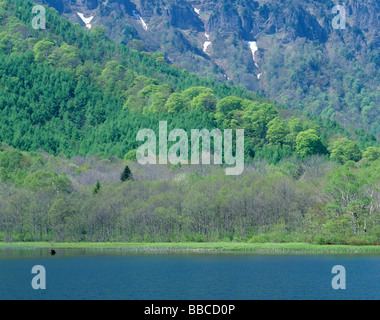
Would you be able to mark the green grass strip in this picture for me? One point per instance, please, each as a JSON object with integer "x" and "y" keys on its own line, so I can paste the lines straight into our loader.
{"x": 274, "y": 248}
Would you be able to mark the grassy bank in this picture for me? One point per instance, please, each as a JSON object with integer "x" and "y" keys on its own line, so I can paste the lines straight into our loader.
{"x": 275, "y": 248}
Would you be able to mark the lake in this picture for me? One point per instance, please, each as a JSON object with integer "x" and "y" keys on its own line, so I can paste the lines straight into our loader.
{"x": 115, "y": 274}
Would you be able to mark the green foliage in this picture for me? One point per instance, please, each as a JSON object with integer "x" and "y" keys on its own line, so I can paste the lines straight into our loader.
{"x": 67, "y": 90}
{"x": 295, "y": 125}
{"x": 372, "y": 153}
{"x": 293, "y": 201}
{"x": 257, "y": 116}
{"x": 42, "y": 50}
{"x": 96, "y": 188}
{"x": 344, "y": 150}
{"x": 336, "y": 83}
{"x": 277, "y": 131}
{"x": 205, "y": 102}
{"x": 191, "y": 93}
{"x": 351, "y": 192}
{"x": 13, "y": 164}
{"x": 47, "y": 180}
{"x": 126, "y": 175}
{"x": 308, "y": 143}
{"x": 131, "y": 155}
{"x": 59, "y": 218}
{"x": 175, "y": 103}
{"x": 228, "y": 104}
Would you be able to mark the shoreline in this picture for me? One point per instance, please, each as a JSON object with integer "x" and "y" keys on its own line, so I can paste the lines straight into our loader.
{"x": 238, "y": 247}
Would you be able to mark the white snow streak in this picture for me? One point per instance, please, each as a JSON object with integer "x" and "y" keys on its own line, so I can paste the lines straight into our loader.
{"x": 138, "y": 17}
{"x": 206, "y": 43}
{"x": 86, "y": 20}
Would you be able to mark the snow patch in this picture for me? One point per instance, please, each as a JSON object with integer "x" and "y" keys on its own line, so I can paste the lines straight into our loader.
{"x": 138, "y": 17}
{"x": 253, "y": 47}
{"x": 86, "y": 20}
{"x": 206, "y": 43}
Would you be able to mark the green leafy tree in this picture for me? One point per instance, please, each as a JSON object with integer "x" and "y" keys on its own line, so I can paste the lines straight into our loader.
{"x": 131, "y": 155}
{"x": 372, "y": 153}
{"x": 175, "y": 103}
{"x": 6, "y": 43}
{"x": 204, "y": 102}
{"x": 42, "y": 50}
{"x": 344, "y": 150}
{"x": 158, "y": 102}
{"x": 256, "y": 118}
{"x": 226, "y": 110}
{"x": 113, "y": 70}
{"x": 99, "y": 31}
{"x": 308, "y": 142}
{"x": 192, "y": 92}
{"x": 48, "y": 180}
{"x": 349, "y": 205}
{"x": 228, "y": 104}
{"x": 277, "y": 131}
{"x": 59, "y": 215}
{"x": 295, "y": 125}
{"x": 66, "y": 56}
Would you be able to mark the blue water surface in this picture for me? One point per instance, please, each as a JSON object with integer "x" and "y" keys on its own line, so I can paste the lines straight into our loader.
{"x": 91, "y": 274}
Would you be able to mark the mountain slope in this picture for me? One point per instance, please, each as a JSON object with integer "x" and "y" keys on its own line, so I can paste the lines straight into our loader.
{"x": 69, "y": 90}
{"x": 285, "y": 49}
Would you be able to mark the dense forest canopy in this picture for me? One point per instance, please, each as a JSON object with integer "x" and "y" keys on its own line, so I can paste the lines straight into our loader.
{"x": 64, "y": 89}
{"x": 47, "y": 198}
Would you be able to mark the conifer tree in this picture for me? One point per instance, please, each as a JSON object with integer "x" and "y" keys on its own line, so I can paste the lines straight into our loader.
{"x": 126, "y": 175}
{"x": 96, "y": 188}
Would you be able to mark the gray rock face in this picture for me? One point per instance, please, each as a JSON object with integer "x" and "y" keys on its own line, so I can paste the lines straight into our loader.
{"x": 181, "y": 15}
